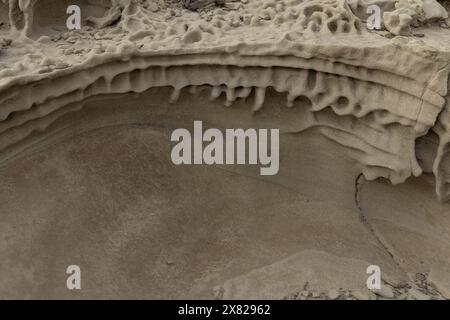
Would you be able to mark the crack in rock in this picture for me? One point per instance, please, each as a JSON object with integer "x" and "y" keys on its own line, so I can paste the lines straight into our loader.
{"x": 358, "y": 188}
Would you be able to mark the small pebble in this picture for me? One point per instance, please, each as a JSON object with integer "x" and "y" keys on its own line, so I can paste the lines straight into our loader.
{"x": 364, "y": 295}
{"x": 304, "y": 293}
{"x": 153, "y": 7}
{"x": 333, "y": 294}
{"x": 385, "y": 292}
{"x": 218, "y": 292}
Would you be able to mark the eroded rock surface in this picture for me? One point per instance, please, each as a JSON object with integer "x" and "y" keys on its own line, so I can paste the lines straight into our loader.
{"x": 301, "y": 66}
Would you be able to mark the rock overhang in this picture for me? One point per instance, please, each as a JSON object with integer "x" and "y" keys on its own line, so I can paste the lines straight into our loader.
{"x": 387, "y": 92}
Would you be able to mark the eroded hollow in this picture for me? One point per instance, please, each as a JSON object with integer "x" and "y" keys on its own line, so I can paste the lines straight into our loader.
{"x": 3, "y": 14}
{"x": 103, "y": 174}
{"x": 101, "y": 177}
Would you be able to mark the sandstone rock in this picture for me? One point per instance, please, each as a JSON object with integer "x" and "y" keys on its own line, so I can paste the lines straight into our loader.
{"x": 417, "y": 295}
{"x": 440, "y": 278}
{"x": 112, "y": 16}
{"x": 198, "y": 4}
{"x": 333, "y": 294}
{"x": 408, "y": 12}
{"x": 431, "y": 10}
{"x": 85, "y": 149}
{"x": 385, "y": 292}
{"x": 398, "y": 23}
{"x": 364, "y": 295}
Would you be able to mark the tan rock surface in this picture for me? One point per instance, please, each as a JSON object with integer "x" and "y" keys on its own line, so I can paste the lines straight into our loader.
{"x": 85, "y": 170}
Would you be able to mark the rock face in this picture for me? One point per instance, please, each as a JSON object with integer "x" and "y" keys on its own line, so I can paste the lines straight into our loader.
{"x": 399, "y": 16}
{"x": 378, "y": 104}
{"x": 408, "y": 11}
{"x": 390, "y": 96}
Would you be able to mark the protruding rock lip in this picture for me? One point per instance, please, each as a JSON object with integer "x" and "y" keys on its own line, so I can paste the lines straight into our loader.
{"x": 243, "y": 56}
{"x": 64, "y": 82}
{"x": 411, "y": 70}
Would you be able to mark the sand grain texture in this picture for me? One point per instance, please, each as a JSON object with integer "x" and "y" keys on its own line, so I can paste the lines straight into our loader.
{"x": 85, "y": 120}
